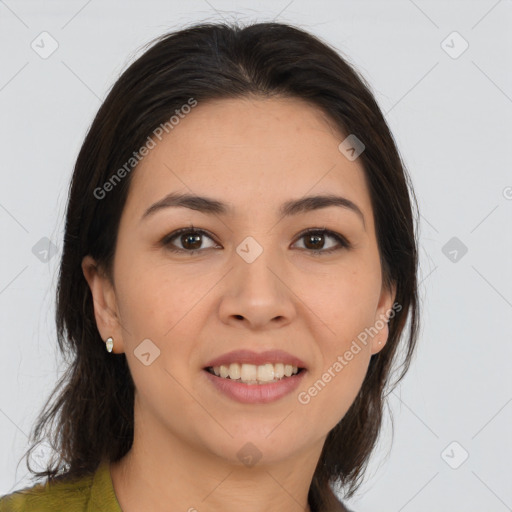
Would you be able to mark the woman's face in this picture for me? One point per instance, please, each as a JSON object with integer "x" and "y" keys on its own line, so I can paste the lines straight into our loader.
{"x": 253, "y": 283}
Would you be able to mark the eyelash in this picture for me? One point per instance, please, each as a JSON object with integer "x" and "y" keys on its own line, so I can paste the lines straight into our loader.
{"x": 343, "y": 242}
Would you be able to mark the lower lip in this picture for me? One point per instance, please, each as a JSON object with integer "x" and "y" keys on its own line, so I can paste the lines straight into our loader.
{"x": 256, "y": 393}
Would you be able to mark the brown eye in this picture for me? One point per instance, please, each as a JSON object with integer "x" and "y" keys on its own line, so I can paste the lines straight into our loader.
{"x": 190, "y": 240}
{"x": 315, "y": 241}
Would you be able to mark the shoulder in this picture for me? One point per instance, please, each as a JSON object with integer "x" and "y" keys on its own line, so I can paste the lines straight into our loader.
{"x": 50, "y": 497}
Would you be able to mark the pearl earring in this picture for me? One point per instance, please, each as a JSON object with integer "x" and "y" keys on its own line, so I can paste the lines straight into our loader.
{"x": 110, "y": 344}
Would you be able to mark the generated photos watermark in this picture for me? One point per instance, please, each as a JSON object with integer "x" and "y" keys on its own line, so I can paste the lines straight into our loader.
{"x": 158, "y": 133}
{"x": 304, "y": 397}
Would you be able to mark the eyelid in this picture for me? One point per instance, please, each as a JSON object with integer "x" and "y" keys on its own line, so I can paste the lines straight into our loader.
{"x": 343, "y": 242}
{"x": 166, "y": 241}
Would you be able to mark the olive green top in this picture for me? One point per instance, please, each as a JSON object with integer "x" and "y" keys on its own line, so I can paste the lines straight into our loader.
{"x": 91, "y": 493}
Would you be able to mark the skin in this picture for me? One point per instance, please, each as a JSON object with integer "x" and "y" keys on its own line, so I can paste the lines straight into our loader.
{"x": 197, "y": 307}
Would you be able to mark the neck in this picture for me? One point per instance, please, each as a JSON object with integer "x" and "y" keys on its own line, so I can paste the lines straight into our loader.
{"x": 161, "y": 473}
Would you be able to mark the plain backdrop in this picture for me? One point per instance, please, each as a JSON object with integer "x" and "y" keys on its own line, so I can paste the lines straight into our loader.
{"x": 441, "y": 74}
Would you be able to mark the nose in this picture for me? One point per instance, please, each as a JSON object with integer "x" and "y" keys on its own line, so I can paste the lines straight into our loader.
{"x": 258, "y": 294}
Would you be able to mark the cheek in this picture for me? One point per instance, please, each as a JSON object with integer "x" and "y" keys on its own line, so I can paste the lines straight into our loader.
{"x": 325, "y": 402}
{"x": 159, "y": 303}
{"x": 345, "y": 299}
{"x": 347, "y": 305}
{"x": 347, "y": 350}
{"x": 152, "y": 309}
{"x": 329, "y": 393}
{"x": 153, "y": 297}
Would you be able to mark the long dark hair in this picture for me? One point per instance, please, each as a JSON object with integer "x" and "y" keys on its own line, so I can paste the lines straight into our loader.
{"x": 91, "y": 417}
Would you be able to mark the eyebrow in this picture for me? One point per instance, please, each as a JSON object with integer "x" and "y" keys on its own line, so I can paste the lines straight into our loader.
{"x": 211, "y": 206}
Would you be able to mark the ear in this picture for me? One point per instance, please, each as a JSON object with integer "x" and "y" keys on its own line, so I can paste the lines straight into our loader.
{"x": 384, "y": 311}
{"x": 104, "y": 301}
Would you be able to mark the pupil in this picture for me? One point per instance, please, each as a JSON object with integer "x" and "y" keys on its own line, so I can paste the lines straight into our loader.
{"x": 317, "y": 238}
{"x": 192, "y": 237}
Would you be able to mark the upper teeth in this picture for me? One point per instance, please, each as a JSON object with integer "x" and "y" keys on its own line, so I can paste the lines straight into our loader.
{"x": 250, "y": 372}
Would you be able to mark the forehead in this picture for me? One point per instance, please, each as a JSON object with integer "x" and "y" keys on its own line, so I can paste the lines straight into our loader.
{"x": 249, "y": 150}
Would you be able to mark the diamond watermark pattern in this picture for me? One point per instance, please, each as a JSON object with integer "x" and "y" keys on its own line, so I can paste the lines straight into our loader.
{"x": 454, "y": 45}
{"x": 40, "y": 456}
{"x": 44, "y": 45}
{"x": 351, "y": 147}
{"x": 249, "y": 249}
{"x": 147, "y": 352}
{"x": 44, "y": 249}
{"x": 249, "y": 454}
{"x": 454, "y": 249}
{"x": 454, "y": 455}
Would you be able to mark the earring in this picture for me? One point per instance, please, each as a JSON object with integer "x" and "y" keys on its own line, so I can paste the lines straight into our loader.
{"x": 110, "y": 343}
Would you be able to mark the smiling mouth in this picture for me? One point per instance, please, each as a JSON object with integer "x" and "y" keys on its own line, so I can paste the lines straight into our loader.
{"x": 252, "y": 374}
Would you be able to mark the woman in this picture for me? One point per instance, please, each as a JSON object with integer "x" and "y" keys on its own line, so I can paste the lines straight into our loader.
{"x": 240, "y": 237}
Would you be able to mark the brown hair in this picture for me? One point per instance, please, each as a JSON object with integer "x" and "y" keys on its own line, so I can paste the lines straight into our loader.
{"x": 92, "y": 415}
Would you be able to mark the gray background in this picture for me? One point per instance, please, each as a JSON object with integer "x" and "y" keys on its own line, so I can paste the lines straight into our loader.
{"x": 450, "y": 113}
